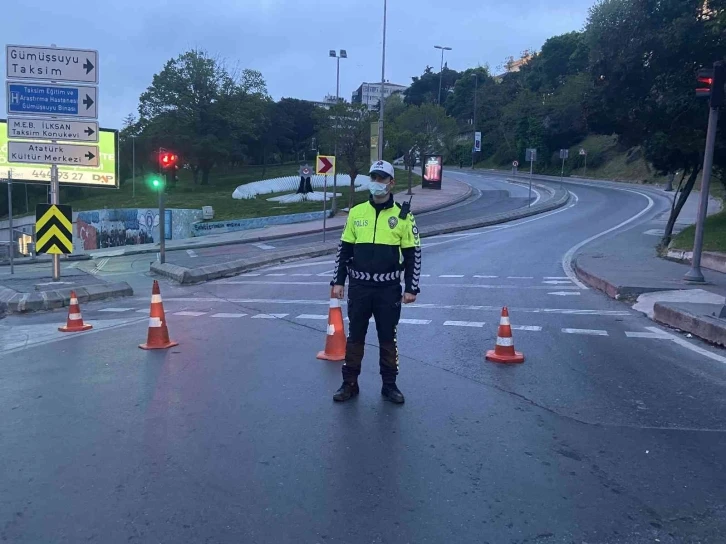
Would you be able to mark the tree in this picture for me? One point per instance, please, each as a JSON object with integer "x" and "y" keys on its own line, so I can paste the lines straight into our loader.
{"x": 302, "y": 128}
{"x": 425, "y": 89}
{"x": 195, "y": 106}
{"x": 428, "y": 128}
{"x": 352, "y": 124}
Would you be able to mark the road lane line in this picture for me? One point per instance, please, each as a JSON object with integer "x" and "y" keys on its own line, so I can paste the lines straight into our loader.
{"x": 565, "y": 293}
{"x": 464, "y": 323}
{"x": 555, "y": 278}
{"x": 263, "y": 246}
{"x": 451, "y": 275}
{"x": 192, "y": 253}
{"x": 568, "y": 257}
{"x": 454, "y": 285}
{"x": 592, "y": 332}
{"x": 533, "y": 328}
{"x": 686, "y": 344}
{"x": 306, "y": 275}
{"x": 658, "y": 336}
{"x": 275, "y": 274}
{"x": 225, "y": 315}
{"x": 312, "y": 316}
{"x": 486, "y": 277}
{"x": 415, "y": 321}
{"x": 116, "y": 310}
{"x": 249, "y": 275}
{"x": 189, "y": 314}
{"x": 270, "y": 316}
{"x": 300, "y": 265}
{"x": 557, "y": 282}
{"x": 520, "y": 277}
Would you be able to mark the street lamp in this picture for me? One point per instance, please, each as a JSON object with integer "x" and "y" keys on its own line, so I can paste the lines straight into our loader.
{"x": 343, "y": 55}
{"x": 441, "y": 70}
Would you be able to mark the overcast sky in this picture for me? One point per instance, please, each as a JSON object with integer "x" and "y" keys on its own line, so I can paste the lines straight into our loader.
{"x": 287, "y": 40}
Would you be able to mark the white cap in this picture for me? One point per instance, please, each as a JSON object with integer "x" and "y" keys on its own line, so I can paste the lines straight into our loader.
{"x": 383, "y": 168}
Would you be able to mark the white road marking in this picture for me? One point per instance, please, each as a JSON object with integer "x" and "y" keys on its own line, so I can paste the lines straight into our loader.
{"x": 415, "y": 321}
{"x": 567, "y": 258}
{"x": 117, "y": 310}
{"x": 654, "y": 232}
{"x": 686, "y": 344}
{"x": 143, "y": 312}
{"x": 99, "y": 266}
{"x": 592, "y": 332}
{"x": 464, "y": 323}
{"x": 275, "y": 274}
{"x": 269, "y": 316}
{"x": 307, "y": 275}
{"x": 326, "y": 301}
{"x": 539, "y": 196}
{"x": 454, "y": 285}
{"x": 565, "y": 293}
{"x": 228, "y": 315}
{"x": 312, "y": 316}
{"x": 557, "y": 282}
{"x": 451, "y": 275}
{"x": 425, "y": 275}
{"x": 534, "y": 328}
{"x": 192, "y": 253}
{"x": 74, "y": 265}
{"x": 249, "y": 275}
{"x": 520, "y": 277}
{"x": 555, "y": 278}
{"x": 326, "y": 274}
{"x": 264, "y": 246}
{"x": 456, "y": 234}
{"x": 656, "y": 335}
{"x": 189, "y": 314}
{"x": 486, "y": 277}
{"x": 300, "y": 265}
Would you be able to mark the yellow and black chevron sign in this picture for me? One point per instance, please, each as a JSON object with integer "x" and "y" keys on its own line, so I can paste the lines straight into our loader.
{"x": 53, "y": 229}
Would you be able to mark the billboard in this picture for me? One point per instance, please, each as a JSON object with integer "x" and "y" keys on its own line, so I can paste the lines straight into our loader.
{"x": 433, "y": 166}
{"x": 105, "y": 175}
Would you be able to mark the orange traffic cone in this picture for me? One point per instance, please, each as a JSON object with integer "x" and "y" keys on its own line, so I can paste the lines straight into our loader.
{"x": 503, "y": 351}
{"x": 158, "y": 337}
{"x": 74, "y": 323}
{"x": 335, "y": 340}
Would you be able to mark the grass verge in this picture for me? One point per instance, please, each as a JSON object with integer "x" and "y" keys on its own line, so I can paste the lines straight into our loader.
{"x": 714, "y": 235}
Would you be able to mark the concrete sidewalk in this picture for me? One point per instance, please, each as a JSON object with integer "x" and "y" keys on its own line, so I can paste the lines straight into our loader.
{"x": 628, "y": 267}
{"x": 424, "y": 200}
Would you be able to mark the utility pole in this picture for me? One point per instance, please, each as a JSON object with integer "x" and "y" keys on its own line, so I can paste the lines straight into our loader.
{"x": 133, "y": 167}
{"x": 476, "y": 88}
{"x": 383, "y": 84}
{"x": 441, "y": 70}
{"x": 10, "y": 221}
{"x": 343, "y": 55}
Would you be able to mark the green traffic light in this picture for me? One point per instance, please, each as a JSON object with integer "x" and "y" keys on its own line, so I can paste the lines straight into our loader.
{"x": 156, "y": 183}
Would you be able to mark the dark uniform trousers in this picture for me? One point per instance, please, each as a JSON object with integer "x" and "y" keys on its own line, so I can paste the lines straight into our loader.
{"x": 383, "y": 302}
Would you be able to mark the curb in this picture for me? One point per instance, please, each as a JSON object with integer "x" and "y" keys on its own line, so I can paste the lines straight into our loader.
{"x": 186, "y": 276}
{"x": 706, "y": 327}
{"x": 617, "y": 292}
{"x": 15, "y": 302}
{"x": 270, "y": 237}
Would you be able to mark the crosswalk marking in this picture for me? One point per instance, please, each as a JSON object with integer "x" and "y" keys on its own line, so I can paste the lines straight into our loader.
{"x": 486, "y": 277}
{"x": 415, "y": 321}
{"x": 117, "y": 310}
{"x": 312, "y": 316}
{"x": 656, "y": 335}
{"x": 142, "y": 311}
{"x": 534, "y": 328}
{"x": 451, "y": 276}
{"x": 223, "y": 315}
{"x": 520, "y": 277}
{"x": 556, "y": 278}
{"x": 557, "y": 282}
{"x": 192, "y": 253}
{"x": 189, "y": 314}
{"x": 305, "y": 275}
{"x": 464, "y": 323}
{"x": 269, "y": 316}
{"x": 263, "y": 246}
{"x": 274, "y": 274}
{"x": 249, "y": 275}
{"x": 593, "y": 332}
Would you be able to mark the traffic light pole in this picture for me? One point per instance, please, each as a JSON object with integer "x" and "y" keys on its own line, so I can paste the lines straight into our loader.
{"x": 694, "y": 274}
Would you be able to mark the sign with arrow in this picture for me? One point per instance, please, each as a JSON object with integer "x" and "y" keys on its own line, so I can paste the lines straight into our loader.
{"x": 52, "y": 129}
{"x": 51, "y": 63}
{"x": 53, "y": 229}
{"x": 325, "y": 164}
{"x": 60, "y": 100}
{"x": 60, "y": 154}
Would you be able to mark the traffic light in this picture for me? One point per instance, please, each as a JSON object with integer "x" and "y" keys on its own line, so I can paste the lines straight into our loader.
{"x": 167, "y": 160}
{"x": 156, "y": 182}
{"x": 711, "y": 84}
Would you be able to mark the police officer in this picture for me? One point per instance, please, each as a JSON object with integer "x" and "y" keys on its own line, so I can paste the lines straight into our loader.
{"x": 380, "y": 241}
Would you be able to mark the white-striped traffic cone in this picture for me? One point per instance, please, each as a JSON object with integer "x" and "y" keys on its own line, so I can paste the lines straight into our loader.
{"x": 74, "y": 323}
{"x": 158, "y": 336}
{"x": 335, "y": 340}
{"x": 503, "y": 351}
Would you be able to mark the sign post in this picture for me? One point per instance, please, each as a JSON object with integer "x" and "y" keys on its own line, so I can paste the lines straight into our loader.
{"x": 10, "y": 219}
{"x": 325, "y": 165}
{"x": 515, "y": 164}
{"x": 49, "y": 65}
{"x": 564, "y": 154}
{"x": 531, "y": 157}
{"x": 583, "y": 153}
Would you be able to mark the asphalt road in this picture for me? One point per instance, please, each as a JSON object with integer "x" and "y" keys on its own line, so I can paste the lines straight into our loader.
{"x": 612, "y": 431}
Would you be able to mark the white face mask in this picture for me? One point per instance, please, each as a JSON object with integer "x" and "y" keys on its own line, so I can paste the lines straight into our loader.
{"x": 377, "y": 188}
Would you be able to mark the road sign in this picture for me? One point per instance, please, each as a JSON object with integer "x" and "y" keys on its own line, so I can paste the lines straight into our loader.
{"x": 60, "y": 100}
{"x": 515, "y": 163}
{"x": 60, "y": 154}
{"x": 564, "y": 153}
{"x": 52, "y": 129}
{"x": 51, "y": 64}
{"x": 531, "y": 154}
{"x": 477, "y": 141}
{"x": 53, "y": 229}
{"x": 582, "y": 151}
{"x": 325, "y": 164}
{"x": 305, "y": 171}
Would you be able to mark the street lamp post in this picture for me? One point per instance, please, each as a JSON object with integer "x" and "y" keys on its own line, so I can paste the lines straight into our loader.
{"x": 343, "y": 55}
{"x": 133, "y": 166}
{"x": 441, "y": 70}
{"x": 383, "y": 85}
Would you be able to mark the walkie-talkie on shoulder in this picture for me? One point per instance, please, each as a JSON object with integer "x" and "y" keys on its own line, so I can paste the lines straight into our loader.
{"x": 405, "y": 209}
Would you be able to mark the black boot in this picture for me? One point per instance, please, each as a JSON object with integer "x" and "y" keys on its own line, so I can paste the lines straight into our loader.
{"x": 347, "y": 391}
{"x": 392, "y": 394}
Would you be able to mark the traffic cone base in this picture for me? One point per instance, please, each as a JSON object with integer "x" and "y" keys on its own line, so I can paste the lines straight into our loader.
{"x": 158, "y": 335}
{"x": 504, "y": 351}
{"x": 74, "y": 323}
{"x": 335, "y": 340}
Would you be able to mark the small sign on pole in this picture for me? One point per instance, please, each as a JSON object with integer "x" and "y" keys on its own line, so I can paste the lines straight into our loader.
{"x": 531, "y": 157}
{"x": 531, "y": 154}
{"x": 477, "y": 142}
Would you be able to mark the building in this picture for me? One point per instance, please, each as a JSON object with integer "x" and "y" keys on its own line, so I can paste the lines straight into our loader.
{"x": 511, "y": 65}
{"x": 369, "y": 94}
{"x": 327, "y": 102}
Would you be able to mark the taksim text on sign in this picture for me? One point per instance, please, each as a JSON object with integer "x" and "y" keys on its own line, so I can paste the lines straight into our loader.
{"x": 61, "y": 100}
{"x": 51, "y": 64}
{"x": 52, "y": 129}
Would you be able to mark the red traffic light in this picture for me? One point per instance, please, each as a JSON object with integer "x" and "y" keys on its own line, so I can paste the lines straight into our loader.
{"x": 168, "y": 159}
{"x": 705, "y": 82}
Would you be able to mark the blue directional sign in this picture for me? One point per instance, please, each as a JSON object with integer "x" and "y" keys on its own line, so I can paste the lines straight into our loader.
{"x": 60, "y": 100}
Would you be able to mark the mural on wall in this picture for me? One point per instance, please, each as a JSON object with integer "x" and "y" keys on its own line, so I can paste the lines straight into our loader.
{"x": 123, "y": 227}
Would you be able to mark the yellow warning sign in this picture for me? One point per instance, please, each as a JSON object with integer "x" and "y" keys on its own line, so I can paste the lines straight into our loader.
{"x": 53, "y": 229}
